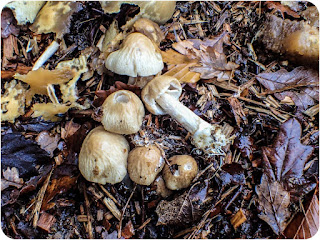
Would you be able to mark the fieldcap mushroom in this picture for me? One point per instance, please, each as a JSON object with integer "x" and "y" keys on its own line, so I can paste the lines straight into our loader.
{"x": 123, "y": 112}
{"x": 138, "y": 56}
{"x": 161, "y": 187}
{"x": 150, "y": 29}
{"x": 157, "y": 11}
{"x": 161, "y": 96}
{"x": 25, "y": 11}
{"x": 144, "y": 164}
{"x": 103, "y": 157}
{"x": 183, "y": 170}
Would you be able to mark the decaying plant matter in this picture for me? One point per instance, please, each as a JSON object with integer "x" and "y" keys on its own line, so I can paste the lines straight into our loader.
{"x": 160, "y": 119}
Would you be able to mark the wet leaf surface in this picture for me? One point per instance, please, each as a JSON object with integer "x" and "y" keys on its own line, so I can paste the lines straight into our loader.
{"x": 301, "y": 85}
{"x": 274, "y": 201}
{"x": 24, "y": 154}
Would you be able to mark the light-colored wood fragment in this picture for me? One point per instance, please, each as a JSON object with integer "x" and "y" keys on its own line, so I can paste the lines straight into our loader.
{"x": 238, "y": 219}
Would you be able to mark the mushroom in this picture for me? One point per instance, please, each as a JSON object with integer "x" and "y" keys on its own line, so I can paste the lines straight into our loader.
{"x": 103, "y": 157}
{"x": 55, "y": 16}
{"x": 183, "y": 170}
{"x": 123, "y": 112}
{"x": 157, "y": 11}
{"x": 25, "y": 11}
{"x": 161, "y": 96}
{"x": 138, "y": 56}
{"x": 150, "y": 29}
{"x": 144, "y": 164}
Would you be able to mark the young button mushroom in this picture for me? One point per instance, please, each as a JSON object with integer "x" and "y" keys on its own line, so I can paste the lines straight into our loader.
{"x": 103, "y": 157}
{"x": 123, "y": 112}
{"x": 161, "y": 96}
{"x": 184, "y": 169}
{"x": 144, "y": 164}
{"x": 138, "y": 56}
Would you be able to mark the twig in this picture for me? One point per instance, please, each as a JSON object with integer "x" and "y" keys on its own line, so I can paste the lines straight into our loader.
{"x": 39, "y": 199}
{"x": 89, "y": 224}
{"x": 109, "y": 195}
{"x": 144, "y": 224}
{"x": 124, "y": 210}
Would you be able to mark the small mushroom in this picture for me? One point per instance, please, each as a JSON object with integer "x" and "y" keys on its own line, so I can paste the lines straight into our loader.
{"x": 161, "y": 187}
{"x": 161, "y": 96}
{"x": 183, "y": 170}
{"x": 144, "y": 164}
{"x": 150, "y": 29}
{"x": 138, "y": 56}
{"x": 103, "y": 157}
{"x": 123, "y": 112}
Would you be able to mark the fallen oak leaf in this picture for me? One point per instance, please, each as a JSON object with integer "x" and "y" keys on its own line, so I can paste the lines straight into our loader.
{"x": 306, "y": 80}
{"x": 285, "y": 160}
{"x": 273, "y": 202}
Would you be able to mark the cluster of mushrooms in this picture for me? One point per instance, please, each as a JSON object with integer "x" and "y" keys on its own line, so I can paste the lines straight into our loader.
{"x": 105, "y": 156}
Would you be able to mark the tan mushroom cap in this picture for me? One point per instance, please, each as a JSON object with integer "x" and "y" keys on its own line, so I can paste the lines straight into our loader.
{"x": 157, "y": 11}
{"x": 103, "y": 157}
{"x": 155, "y": 88}
{"x": 150, "y": 29}
{"x": 123, "y": 112}
{"x": 144, "y": 164}
{"x": 138, "y": 56}
{"x": 55, "y": 16}
{"x": 184, "y": 168}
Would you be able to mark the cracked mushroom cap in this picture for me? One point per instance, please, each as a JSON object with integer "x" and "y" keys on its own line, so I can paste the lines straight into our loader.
{"x": 155, "y": 88}
{"x": 138, "y": 56}
{"x": 103, "y": 157}
{"x": 144, "y": 164}
{"x": 184, "y": 169}
{"x": 123, "y": 112}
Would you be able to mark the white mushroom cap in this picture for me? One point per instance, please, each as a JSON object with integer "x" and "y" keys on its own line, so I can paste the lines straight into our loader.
{"x": 144, "y": 164}
{"x": 25, "y": 11}
{"x": 103, "y": 157}
{"x": 123, "y": 112}
{"x": 155, "y": 88}
{"x": 184, "y": 169}
{"x": 138, "y": 56}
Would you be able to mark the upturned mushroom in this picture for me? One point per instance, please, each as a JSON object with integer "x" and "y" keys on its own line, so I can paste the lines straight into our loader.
{"x": 123, "y": 112}
{"x": 138, "y": 56}
{"x": 144, "y": 164}
{"x": 161, "y": 96}
{"x": 103, "y": 157}
{"x": 183, "y": 170}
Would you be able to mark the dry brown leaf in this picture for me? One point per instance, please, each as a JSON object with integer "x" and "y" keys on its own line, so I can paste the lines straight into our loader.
{"x": 183, "y": 74}
{"x": 128, "y": 231}
{"x": 273, "y": 202}
{"x": 310, "y": 224}
{"x": 278, "y": 7}
{"x": 301, "y": 85}
{"x": 210, "y": 55}
{"x": 184, "y": 209}
{"x": 48, "y": 142}
{"x": 11, "y": 178}
{"x": 172, "y": 57}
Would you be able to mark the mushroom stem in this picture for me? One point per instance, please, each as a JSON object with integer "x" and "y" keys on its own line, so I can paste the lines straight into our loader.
{"x": 53, "y": 47}
{"x": 205, "y": 136}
